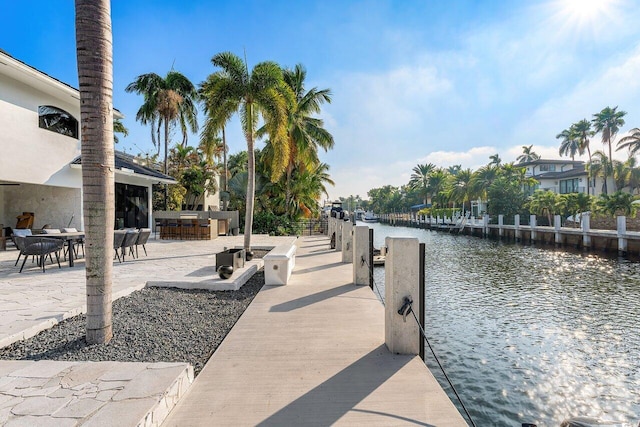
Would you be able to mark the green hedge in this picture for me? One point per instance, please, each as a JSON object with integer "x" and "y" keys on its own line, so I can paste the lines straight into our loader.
{"x": 274, "y": 225}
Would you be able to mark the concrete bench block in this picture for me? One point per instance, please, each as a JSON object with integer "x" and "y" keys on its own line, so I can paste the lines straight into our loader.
{"x": 278, "y": 264}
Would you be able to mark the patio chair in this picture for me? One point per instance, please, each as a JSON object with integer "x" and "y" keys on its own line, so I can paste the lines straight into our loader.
{"x": 130, "y": 239}
{"x": 143, "y": 236}
{"x": 118, "y": 238}
{"x": 18, "y": 239}
{"x": 41, "y": 247}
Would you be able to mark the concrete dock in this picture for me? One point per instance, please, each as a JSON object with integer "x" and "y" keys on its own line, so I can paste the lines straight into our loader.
{"x": 312, "y": 353}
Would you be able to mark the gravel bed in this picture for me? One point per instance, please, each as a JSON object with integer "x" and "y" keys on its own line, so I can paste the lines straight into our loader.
{"x": 150, "y": 325}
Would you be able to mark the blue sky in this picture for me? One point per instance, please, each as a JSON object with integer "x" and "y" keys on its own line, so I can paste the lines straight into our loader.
{"x": 413, "y": 81}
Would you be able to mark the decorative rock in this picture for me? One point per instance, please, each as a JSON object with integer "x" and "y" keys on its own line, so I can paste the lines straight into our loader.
{"x": 225, "y": 271}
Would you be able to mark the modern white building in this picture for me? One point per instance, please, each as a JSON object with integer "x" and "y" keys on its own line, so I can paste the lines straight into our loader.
{"x": 563, "y": 177}
{"x": 40, "y": 165}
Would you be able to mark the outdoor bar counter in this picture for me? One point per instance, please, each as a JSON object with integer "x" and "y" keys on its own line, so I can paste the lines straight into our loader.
{"x": 194, "y": 225}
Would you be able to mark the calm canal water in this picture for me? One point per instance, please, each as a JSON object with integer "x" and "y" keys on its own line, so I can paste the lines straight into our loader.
{"x": 530, "y": 334}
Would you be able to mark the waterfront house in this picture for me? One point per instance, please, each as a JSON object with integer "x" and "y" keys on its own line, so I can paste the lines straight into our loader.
{"x": 563, "y": 177}
{"x": 40, "y": 165}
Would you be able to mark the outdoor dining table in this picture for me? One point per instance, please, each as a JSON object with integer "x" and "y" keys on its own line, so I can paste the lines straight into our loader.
{"x": 68, "y": 237}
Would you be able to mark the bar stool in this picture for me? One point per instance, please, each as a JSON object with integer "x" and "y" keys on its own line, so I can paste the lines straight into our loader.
{"x": 204, "y": 229}
{"x": 173, "y": 229}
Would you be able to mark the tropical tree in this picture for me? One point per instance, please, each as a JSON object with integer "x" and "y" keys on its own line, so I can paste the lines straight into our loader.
{"x": 118, "y": 127}
{"x": 453, "y": 170}
{"x": 601, "y": 166}
{"x": 570, "y": 145}
{"x": 95, "y": 74}
{"x": 167, "y": 101}
{"x": 482, "y": 179}
{"x": 495, "y": 160}
{"x": 544, "y": 203}
{"x": 528, "y": 155}
{"x": 460, "y": 188}
{"x": 419, "y": 180}
{"x": 232, "y": 89}
{"x": 630, "y": 142}
{"x": 437, "y": 185}
{"x": 618, "y": 203}
{"x": 306, "y": 133}
{"x": 608, "y": 123}
{"x": 237, "y": 163}
{"x": 583, "y": 132}
{"x": 574, "y": 204}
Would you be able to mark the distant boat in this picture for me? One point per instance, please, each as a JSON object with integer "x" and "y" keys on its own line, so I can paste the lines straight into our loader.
{"x": 369, "y": 216}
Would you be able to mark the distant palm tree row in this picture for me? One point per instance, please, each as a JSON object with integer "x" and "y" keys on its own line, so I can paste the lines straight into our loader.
{"x": 577, "y": 138}
{"x": 266, "y": 94}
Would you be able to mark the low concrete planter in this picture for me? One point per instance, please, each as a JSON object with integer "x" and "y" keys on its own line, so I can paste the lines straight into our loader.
{"x": 232, "y": 257}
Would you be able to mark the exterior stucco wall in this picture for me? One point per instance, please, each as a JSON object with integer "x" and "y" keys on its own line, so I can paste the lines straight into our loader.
{"x": 31, "y": 154}
{"x": 55, "y": 206}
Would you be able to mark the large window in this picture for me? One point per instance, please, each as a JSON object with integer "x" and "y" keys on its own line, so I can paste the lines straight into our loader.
{"x": 547, "y": 168}
{"x": 132, "y": 206}
{"x": 57, "y": 120}
{"x": 569, "y": 186}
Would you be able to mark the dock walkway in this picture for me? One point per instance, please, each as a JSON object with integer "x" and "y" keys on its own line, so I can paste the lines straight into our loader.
{"x": 312, "y": 353}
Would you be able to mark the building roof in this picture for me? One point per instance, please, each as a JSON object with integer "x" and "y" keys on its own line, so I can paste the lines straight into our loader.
{"x": 127, "y": 164}
{"x": 551, "y": 162}
{"x": 23, "y": 72}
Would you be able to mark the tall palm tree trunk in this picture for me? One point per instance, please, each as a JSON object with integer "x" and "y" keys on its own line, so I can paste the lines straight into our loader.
{"x": 166, "y": 162}
{"x": 95, "y": 75}
{"x": 251, "y": 185}
{"x": 226, "y": 169}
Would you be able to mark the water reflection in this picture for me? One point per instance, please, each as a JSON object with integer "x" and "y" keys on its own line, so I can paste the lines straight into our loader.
{"x": 531, "y": 334}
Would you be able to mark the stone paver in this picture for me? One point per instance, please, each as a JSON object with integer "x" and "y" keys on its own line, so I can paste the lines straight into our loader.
{"x": 50, "y": 393}
{"x": 33, "y": 301}
{"x": 142, "y": 399}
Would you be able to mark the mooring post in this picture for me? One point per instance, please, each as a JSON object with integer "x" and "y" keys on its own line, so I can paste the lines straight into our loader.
{"x": 402, "y": 277}
{"x": 516, "y": 225}
{"x": 622, "y": 231}
{"x": 332, "y": 227}
{"x": 586, "y": 228}
{"x": 501, "y": 225}
{"x": 347, "y": 242}
{"x": 361, "y": 257}
{"x": 485, "y": 223}
{"x": 339, "y": 226}
{"x": 532, "y": 226}
{"x": 557, "y": 222}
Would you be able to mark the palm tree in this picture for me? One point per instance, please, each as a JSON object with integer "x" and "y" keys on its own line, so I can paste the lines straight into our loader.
{"x": 601, "y": 167}
{"x": 570, "y": 145}
{"x": 437, "y": 182}
{"x": 420, "y": 179}
{"x": 118, "y": 127}
{"x": 583, "y": 132}
{"x": 608, "y": 122}
{"x": 527, "y": 155}
{"x": 631, "y": 141}
{"x": 262, "y": 92}
{"x": 453, "y": 170}
{"x": 305, "y": 133}
{"x": 166, "y": 101}
{"x": 495, "y": 160}
{"x": 460, "y": 188}
{"x": 95, "y": 75}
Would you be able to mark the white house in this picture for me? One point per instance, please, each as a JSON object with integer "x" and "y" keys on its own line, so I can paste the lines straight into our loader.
{"x": 40, "y": 165}
{"x": 563, "y": 176}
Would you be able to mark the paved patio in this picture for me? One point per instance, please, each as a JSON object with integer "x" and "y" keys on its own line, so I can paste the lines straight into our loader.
{"x": 60, "y": 393}
{"x": 32, "y": 301}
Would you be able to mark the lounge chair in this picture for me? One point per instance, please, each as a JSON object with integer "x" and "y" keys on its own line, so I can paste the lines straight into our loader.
{"x": 41, "y": 247}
